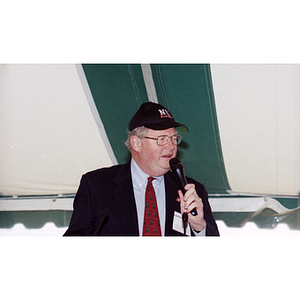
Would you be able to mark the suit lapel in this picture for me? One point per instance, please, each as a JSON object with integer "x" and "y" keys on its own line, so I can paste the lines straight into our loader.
{"x": 124, "y": 200}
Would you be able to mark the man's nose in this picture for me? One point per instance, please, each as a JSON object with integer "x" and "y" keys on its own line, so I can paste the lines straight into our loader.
{"x": 170, "y": 144}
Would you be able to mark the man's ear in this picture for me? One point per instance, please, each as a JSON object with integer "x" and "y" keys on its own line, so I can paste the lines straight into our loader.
{"x": 135, "y": 143}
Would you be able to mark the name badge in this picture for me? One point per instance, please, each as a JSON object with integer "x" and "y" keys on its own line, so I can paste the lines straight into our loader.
{"x": 178, "y": 224}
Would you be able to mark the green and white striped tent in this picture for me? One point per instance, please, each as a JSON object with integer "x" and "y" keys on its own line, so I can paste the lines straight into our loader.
{"x": 59, "y": 121}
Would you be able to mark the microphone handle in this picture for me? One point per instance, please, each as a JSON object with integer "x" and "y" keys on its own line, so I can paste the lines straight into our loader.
{"x": 182, "y": 182}
{"x": 185, "y": 215}
{"x": 184, "y": 221}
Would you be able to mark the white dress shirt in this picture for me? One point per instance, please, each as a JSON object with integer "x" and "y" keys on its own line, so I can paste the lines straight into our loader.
{"x": 139, "y": 181}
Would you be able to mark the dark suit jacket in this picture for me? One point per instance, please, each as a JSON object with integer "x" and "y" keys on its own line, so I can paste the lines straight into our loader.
{"x": 112, "y": 188}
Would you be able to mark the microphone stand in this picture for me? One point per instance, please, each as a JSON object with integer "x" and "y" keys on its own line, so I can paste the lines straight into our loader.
{"x": 105, "y": 215}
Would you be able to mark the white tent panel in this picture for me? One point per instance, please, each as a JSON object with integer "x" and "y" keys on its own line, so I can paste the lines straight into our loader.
{"x": 249, "y": 230}
{"x": 258, "y": 109}
{"x": 49, "y": 134}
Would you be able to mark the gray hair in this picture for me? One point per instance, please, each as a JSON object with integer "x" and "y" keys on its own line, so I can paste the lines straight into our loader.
{"x": 140, "y": 132}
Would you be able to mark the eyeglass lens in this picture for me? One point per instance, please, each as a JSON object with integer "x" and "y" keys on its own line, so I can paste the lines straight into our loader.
{"x": 163, "y": 139}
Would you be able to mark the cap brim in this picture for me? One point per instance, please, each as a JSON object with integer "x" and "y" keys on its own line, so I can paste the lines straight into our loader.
{"x": 162, "y": 126}
{"x": 182, "y": 129}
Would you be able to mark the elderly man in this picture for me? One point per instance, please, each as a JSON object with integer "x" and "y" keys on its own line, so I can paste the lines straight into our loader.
{"x": 142, "y": 197}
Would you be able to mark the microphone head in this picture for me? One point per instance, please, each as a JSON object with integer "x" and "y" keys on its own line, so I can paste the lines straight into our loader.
{"x": 175, "y": 163}
{"x": 178, "y": 173}
{"x": 105, "y": 212}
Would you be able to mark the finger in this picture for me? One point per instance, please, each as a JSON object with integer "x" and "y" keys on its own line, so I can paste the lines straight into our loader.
{"x": 194, "y": 201}
{"x": 180, "y": 194}
{"x": 190, "y": 190}
{"x": 190, "y": 198}
{"x": 189, "y": 186}
{"x": 182, "y": 202}
{"x": 190, "y": 205}
{"x": 193, "y": 205}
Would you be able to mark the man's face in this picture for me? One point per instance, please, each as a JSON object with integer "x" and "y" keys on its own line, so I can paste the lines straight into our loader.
{"x": 154, "y": 159}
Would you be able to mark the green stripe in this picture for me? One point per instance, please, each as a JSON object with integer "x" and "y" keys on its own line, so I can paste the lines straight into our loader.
{"x": 187, "y": 91}
{"x": 35, "y": 219}
{"x": 118, "y": 91}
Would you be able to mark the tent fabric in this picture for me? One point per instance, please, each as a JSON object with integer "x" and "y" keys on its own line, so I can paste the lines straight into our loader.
{"x": 61, "y": 121}
{"x": 192, "y": 104}
{"x": 264, "y": 212}
{"x": 243, "y": 120}
{"x": 49, "y": 136}
{"x": 258, "y": 108}
{"x": 149, "y": 83}
{"x": 118, "y": 90}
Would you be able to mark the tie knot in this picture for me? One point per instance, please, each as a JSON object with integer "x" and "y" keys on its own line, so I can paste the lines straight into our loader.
{"x": 150, "y": 179}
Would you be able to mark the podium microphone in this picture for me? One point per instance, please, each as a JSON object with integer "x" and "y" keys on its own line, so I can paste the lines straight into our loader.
{"x": 105, "y": 215}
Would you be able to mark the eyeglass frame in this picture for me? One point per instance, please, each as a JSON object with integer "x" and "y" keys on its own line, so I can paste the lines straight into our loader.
{"x": 178, "y": 136}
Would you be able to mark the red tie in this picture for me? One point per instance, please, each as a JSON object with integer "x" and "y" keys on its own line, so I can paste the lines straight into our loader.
{"x": 151, "y": 217}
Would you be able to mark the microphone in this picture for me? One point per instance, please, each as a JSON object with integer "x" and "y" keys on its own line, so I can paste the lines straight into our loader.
{"x": 178, "y": 172}
{"x": 105, "y": 215}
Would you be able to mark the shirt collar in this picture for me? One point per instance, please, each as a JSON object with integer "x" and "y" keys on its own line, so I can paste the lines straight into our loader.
{"x": 140, "y": 178}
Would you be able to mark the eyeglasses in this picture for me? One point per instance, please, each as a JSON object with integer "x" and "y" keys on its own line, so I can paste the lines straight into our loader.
{"x": 164, "y": 139}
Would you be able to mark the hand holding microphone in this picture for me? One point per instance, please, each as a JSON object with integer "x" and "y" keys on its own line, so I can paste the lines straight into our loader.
{"x": 178, "y": 172}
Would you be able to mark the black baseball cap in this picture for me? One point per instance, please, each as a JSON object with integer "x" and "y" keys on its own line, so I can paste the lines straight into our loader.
{"x": 155, "y": 116}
